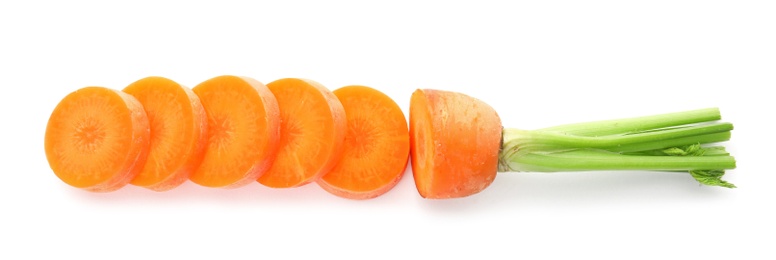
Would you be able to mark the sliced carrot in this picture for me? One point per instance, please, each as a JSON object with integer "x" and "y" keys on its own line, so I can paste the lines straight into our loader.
{"x": 312, "y": 130}
{"x": 178, "y": 132}
{"x": 97, "y": 139}
{"x": 243, "y": 120}
{"x": 450, "y": 131}
{"x": 376, "y": 148}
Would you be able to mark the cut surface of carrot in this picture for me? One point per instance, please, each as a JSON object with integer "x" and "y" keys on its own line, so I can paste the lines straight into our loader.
{"x": 312, "y": 128}
{"x": 243, "y": 120}
{"x": 455, "y": 142}
{"x": 97, "y": 139}
{"x": 376, "y": 147}
{"x": 178, "y": 132}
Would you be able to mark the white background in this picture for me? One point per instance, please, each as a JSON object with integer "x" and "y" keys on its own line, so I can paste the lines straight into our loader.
{"x": 539, "y": 63}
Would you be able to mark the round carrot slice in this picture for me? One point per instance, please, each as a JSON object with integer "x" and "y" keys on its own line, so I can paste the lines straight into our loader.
{"x": 376, "y": 147}
{"x": 312, "y": 129}
{"x": 97, "y": 139}
{"x": 178, "y": 125}
{"x": 242, "y": 119}
{"x": 455, "y": 141}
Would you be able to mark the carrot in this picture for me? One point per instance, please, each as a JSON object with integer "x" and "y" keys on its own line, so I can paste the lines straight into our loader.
{"x": 97, "y": 139}
{"x": 243, "y": 120}
{"x": 455, "y": 141}
{"x": 312, "y": 130}
{"x": 458, "y": 145}
{"x": 178, "y": 132}
{"x": 376, "y": 147}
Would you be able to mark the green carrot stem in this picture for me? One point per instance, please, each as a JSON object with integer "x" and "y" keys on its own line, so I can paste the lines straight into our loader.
{"x": 638, "y": 124}
{"x": 707, "y": 151}
{"x": 590, "y": 160}
{"x": 668, "y": 142}
{"x": 682, "y": 141}
{"x": 541, "y": 140}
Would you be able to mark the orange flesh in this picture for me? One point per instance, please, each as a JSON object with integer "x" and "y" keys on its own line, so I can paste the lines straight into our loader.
{"x": 312, "y": 130}
{"x": 243, "y": 120}
{"x": 376, "y": 146}
{"x": 455, "y": 140}
{"x": 97, "y": 139}
{"x": 178, "y": 125}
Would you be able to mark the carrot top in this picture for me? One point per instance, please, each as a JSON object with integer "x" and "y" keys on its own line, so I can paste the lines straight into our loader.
{"x": 667, "y": 142}
{"x": 457, "y": 144}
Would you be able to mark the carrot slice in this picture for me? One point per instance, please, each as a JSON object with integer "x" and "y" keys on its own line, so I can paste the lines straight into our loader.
{"x": 178, "y": 125}
{"x": 312, "y": 130}
{"x": 243, "y": 120}
{"x": 97, "y": 139}
{"x": 448, "y": 132}
{"x": 376, "y": 147}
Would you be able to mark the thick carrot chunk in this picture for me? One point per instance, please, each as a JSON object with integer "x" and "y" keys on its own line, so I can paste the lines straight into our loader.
{"x": 455, "y": 143}
{"x": 97, "y": 139}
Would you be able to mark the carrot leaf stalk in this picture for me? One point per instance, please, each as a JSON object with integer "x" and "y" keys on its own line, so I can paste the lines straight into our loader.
{"x": 667, "y": 142}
